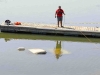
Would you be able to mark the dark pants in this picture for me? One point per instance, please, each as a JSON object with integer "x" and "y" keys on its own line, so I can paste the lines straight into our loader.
{"x": 59, "y": 18}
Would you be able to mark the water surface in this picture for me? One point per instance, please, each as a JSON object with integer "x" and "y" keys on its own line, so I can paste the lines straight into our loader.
{"x": 82, "y": 57}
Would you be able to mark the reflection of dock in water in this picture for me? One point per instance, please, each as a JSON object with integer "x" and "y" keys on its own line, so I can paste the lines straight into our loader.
{"x": 7, "y": 39}
{"x": 13, "y": 36}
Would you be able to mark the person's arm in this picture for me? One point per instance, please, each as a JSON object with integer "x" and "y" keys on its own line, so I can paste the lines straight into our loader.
{"x": 63, "y": 12}
{"x": 55, "y": 14}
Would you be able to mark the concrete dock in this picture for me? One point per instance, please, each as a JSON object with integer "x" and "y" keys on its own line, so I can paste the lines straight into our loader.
{"x": 52, "y": 29}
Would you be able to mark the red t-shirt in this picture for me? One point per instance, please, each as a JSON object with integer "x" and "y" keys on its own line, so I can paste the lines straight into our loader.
{"x": 59, "y": 12}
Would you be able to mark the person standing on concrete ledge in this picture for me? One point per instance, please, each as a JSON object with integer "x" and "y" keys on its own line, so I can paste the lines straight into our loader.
{"x": 59, "y": 12}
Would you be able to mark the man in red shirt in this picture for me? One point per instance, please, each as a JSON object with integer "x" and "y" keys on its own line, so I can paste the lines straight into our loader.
{"x": 59, "y": 12}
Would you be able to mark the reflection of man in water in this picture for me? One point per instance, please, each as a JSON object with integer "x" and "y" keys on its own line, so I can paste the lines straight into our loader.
{"x": 58, "y": 49}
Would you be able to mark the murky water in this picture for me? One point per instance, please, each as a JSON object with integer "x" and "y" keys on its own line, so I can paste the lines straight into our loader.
{"x": 63, "y": 57}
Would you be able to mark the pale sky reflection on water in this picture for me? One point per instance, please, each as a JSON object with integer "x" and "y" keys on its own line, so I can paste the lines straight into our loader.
{"x": 82, "y": 60}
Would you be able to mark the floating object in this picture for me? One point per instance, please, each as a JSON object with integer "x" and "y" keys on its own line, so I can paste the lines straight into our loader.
{"x": 21, "y": 48}
{"x": 38, "y": 51}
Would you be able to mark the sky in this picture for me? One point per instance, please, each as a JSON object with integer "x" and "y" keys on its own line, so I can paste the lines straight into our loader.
{"x": 43, "y": 11}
